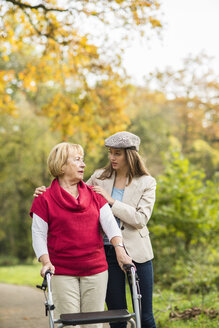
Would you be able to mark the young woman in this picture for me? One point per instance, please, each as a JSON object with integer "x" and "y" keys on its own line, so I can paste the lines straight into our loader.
{"x": 129, "y": 189}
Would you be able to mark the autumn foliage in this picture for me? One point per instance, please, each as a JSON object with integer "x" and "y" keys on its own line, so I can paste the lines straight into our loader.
{"x": 55, "y": 50}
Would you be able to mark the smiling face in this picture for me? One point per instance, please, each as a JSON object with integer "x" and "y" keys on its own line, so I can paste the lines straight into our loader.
{"x": 117, "y": 159}
{"x": 74, "y": 168}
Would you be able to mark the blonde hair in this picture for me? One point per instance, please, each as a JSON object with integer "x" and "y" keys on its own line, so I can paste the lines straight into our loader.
{"x": 59, "y": 156}
{"x": 135, "y": 164}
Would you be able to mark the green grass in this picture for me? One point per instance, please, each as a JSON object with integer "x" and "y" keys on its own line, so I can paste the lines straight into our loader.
{"x": 164, "y": 300}
{"x": 26, "y": 275}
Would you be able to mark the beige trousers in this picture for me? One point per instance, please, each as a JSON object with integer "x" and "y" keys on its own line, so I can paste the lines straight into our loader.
{"x": 79, "y": 294}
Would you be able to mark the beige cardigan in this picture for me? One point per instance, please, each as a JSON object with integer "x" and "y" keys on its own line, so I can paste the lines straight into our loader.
{"x": 134, "y": 213}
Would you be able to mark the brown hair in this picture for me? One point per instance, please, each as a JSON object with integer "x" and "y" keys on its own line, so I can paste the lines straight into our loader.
{"x": 135, "y": 164}
{"x": 59, "y": 156}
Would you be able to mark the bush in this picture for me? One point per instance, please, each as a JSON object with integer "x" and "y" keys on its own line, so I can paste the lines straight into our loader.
{"x": 8, "y": 260}
{"x": 198, "y": 272}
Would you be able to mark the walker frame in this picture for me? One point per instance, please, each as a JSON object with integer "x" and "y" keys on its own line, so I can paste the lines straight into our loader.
{"x": 72, "y": 319}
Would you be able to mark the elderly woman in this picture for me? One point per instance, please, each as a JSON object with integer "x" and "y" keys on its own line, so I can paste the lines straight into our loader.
{"x": 67, "y": 236}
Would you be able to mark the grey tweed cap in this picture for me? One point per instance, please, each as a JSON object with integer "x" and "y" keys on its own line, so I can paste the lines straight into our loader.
{"x": 123, "y": 139}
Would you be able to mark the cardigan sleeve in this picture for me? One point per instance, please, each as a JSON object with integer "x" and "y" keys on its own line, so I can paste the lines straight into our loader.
{"x": 138, "y": 216}
{"x": 92, "y": 180}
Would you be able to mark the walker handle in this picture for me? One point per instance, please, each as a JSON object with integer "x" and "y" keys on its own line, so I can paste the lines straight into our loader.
{"x": 48, "y": 271}
{"x": 44, "y": 283}
{"x": 127, "y": 267}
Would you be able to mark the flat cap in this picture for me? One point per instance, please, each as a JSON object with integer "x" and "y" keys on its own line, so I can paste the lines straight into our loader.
{"x": 123, "y": 139}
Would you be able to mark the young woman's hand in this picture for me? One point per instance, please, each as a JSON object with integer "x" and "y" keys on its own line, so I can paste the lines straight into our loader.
{"x": 103, "y": 193}
{"x": 39, "y": 191}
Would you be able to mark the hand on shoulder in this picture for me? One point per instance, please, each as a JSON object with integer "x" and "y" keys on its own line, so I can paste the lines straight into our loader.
{"x": 39, "y": 191}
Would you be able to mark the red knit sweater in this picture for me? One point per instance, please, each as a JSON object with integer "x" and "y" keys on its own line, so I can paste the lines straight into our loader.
{"x": 75, "y": 243}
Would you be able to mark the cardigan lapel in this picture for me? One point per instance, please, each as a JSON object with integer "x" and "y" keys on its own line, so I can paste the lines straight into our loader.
{"x": 109, "y": 183}
{"x": 130, "y": 192}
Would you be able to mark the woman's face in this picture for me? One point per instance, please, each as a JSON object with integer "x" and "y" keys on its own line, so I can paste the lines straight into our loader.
{"x": 74, "y": 168}
{"x": 117, "y": 158}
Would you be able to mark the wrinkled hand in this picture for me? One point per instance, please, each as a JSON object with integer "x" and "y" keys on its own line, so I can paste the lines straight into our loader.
{"x": 122, "y": 257}
{"x": 47, "y": 266}
{"x": 39, "y": 191}
{"x": 103, "y": 193}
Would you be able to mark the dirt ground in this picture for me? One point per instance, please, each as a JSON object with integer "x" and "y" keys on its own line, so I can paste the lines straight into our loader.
{"x": 23, "y": 307}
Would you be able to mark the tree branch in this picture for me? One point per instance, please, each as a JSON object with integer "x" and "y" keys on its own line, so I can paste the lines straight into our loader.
{"x": 37, "y": 30}
{"x": 25, "y": 5}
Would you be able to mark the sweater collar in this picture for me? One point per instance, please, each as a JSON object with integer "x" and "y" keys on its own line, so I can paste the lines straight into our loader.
{"x": 67, "y": 201}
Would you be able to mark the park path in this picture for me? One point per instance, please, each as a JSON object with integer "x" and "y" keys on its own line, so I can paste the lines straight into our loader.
{"x": 23, "y": 307}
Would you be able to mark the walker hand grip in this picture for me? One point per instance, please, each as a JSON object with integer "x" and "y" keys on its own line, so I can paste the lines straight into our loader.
{"x": 48, "y": 271}
{"x": 127, "y": 267}
{"x": 44, "y": 283}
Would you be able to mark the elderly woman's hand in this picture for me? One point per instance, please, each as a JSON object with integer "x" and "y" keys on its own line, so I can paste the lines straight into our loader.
{"x": 47, "y": 266}
{"x": 39, "y": 191}
{"x": 122, "y": 257}
{"x": 103, "y": 193}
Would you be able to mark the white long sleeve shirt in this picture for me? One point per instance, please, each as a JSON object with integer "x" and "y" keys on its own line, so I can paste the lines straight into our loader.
{"x": 40, "y": 230}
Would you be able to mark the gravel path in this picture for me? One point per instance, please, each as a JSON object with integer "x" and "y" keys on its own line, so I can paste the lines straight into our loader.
{"x": 23, "y": 307}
